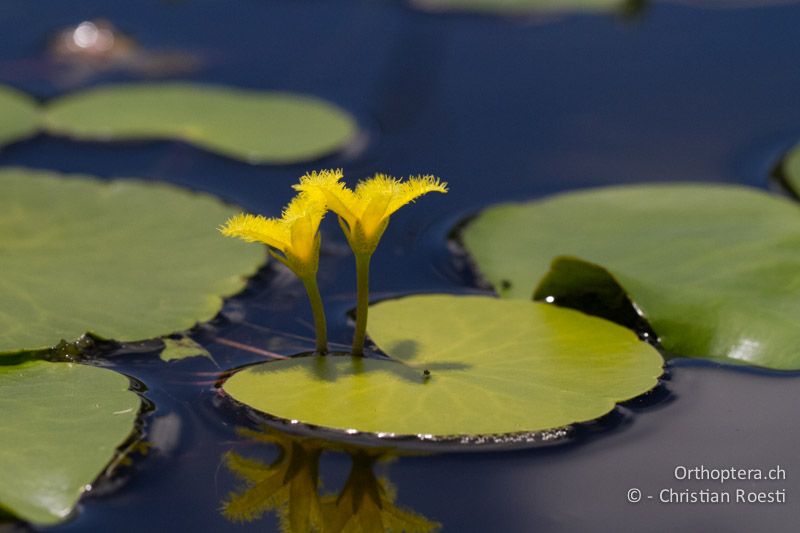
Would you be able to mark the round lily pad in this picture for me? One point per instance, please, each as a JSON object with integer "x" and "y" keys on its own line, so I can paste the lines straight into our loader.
{"x": 19, "y": 115}
{"x": 125, "y": 260}
{"x": 258, "y": 127}
{"x": 62, "y": 424}
{"x": 464, "y": 365}
{"x": 714, "y": 269}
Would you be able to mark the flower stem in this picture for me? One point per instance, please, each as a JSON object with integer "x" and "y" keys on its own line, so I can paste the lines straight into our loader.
{"x": 362, "y": 306}
{"x": 318, "y": 310}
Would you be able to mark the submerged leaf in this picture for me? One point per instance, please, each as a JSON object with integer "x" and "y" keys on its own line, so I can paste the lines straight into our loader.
{"x": 714, "y": 269}
{"x": 493, "y": 366}
{"x": 182, "y": 348}
{"x": 61, "y": 426}
{"x": 125, "y": 260}
{"x": 258, "y": 127}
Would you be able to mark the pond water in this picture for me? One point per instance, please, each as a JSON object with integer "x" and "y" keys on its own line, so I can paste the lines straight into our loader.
{"x": 503, "y": 109}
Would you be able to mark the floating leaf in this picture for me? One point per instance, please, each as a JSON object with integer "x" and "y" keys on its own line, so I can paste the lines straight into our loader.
{"x": 61, "y": 426}
{"x": 182, "y": 348}
{"x": 259, "y": 127}
{"x": 125, "y": 260}
{"x": 19, "y": 115}
{"x": 517, "y": 7}
{"x": 714, "y": 269}
{"x": 494, "y": 366}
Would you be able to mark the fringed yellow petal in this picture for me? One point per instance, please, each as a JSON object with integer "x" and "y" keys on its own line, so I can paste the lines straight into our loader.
{"x": 309, "y": 206}
{"x": 413, "y": 188}
{"x": 374, "y": 215}
{"x": 256, "y": 228}
{"x": 294, "y": 234}
{"x": 366, "y": 210}
{"x": 375, "y": 195}
{"x": 378, "y": 185}
{"x": 338, "y": 197}
{"x": 321, "y": 178}
{"x": 303, "y": 235}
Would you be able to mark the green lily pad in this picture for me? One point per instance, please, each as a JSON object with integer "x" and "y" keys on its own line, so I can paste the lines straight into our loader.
{"x": 19, "y": 116}
{"x": 62, "y": 424}
{"x": 512, "y": 7}
{"x": 125, "y": 260}
{"x": 258, "y": 127}
{"x": 494, "y": 367}
{"x": 714, "y": 269}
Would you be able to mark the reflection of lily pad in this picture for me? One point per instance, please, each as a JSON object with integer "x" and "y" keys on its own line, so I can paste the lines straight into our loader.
{"x": 126, "y": 260}
{"x": 496, "y": 366}
{"x": 714, "y": 269}
{"x": 259, "y": 127}
{"x": 61, "y": 426}
{"x": 512, "y": 7}
{"x": 19, "y": 116}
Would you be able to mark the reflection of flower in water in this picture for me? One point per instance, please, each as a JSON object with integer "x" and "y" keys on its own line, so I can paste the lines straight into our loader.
{"x": 290, "y": 486}
{"x": 366, "y": 503}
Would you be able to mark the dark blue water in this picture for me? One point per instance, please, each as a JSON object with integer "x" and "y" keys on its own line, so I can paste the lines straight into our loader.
{"x": 502, "y": 109}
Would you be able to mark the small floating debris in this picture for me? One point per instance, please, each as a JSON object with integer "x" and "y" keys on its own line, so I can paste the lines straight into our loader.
{"x": 94, "y": 47}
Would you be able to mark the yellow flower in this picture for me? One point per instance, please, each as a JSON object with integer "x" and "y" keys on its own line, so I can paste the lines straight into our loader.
{"x": 365, "y": 212}
{"x": 364, "y": 215}
{"x": 294, "y": 238}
